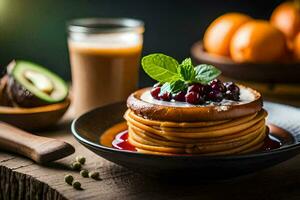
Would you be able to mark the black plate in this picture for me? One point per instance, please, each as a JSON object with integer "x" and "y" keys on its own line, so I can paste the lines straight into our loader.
{"x": 88, "y": 128}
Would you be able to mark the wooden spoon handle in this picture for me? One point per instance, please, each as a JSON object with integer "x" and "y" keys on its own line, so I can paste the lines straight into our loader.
{"x": 38, "y": 148}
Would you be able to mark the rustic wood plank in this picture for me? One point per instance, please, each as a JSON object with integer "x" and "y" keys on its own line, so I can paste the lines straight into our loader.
{"x": 20, "y": 178}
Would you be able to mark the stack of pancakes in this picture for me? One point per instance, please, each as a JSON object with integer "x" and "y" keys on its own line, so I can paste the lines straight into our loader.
{"x": 159, "y": 128}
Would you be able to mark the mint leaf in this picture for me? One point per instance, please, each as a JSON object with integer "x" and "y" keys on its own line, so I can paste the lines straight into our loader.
{"x": 177, "y": 86}
{"x": 166, "y": 87}
{"x": 186, "y": 70}
{"x": 166, "y": 69}
{"x": 206, "y": 73}
{"x": 173, "y": 87}
{"x": 160, "y": 67}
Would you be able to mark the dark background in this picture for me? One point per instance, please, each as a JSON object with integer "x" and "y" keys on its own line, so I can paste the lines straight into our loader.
{"x": 35, "y": 29}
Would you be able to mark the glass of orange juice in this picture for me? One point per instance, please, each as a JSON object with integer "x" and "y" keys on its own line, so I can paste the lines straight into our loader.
{"x": 104, "y": 55}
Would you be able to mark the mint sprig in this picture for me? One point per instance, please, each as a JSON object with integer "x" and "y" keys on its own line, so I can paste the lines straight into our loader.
{"x": 173, "y": 87}
{"x": 161, "y": 67}
{"x": 175, "y": 77}
{"x": 206, "y": 73}
{"x": 186, "y": 70}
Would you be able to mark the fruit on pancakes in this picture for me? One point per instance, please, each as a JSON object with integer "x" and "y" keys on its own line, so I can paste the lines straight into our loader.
{"x": 231, "y": 125}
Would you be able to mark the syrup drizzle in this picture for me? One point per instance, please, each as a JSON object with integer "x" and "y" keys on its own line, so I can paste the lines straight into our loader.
{"x": 270, "y": 144}
{"x": 121, "y": 142}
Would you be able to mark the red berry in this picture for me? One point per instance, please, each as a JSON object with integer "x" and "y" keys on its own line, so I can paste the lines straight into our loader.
{"x": 193, "y": 98}
{"x": 197, "y": 87}
{"x": 155, "y": 92}
{"x": 215, "y": 95}
{"x": 215, "y": 81}
{"x": 232, "y": 87}
{"x": 217, "y": 85}
{"x": 232, "y": 96}
{"x": 207, "y": 89}
{"x": 233, "y": 91}
{"x": 157, "y": 85}
{"x": 179, "y": 96}
{"x": 166, "y": 96}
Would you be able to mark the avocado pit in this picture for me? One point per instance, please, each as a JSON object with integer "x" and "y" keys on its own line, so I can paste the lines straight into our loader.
{"x": 40, "y": 81}
{"x": 31, "y": 85}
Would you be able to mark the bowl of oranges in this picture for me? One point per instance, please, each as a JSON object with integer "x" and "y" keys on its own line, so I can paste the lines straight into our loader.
{"x": 248, "y": 49}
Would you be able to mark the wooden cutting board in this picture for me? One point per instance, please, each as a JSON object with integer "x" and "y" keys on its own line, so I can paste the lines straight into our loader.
{"x": 20, "y": 178}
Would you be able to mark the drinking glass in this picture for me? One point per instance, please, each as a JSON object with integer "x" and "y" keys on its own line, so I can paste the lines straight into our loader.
{"x": 104, "y": 56}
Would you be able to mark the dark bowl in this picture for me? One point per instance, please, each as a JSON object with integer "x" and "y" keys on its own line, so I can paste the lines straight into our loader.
{"x": 88, "y": 128}
{"x": 255, "y": 72}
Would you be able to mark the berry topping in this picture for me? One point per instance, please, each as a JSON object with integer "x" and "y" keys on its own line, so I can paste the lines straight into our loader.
{"x": 157, "y": 85}
{"x": 232, "y": 96}
{"x": 155, "y": 92}
{"x": 232, "y": 87}
{"x": 178, "y": 78}
{"x": 196, "y": 88}
{"x": 166, "y": 96}
{"x": 194, "y": 98}
{"x": 233, "y": 91}
{"x": 207, "y": 89}
{"x": 217, "y": 85}
{"x": 196, "y": 93}
{"x": 179, "y": 96}
{"x": 215, "y": 95}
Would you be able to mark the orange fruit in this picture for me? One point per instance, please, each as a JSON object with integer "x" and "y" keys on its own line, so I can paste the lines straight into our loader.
{"x": 218, "y": 35}
{"x": 259, "y": 42}
{"x": 297, "y": 47}
{"x": 286, "y": 17}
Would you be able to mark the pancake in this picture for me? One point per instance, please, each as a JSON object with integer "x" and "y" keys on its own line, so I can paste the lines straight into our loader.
{"x": 179, "y": 141}
{"x": 203, "y": 133}
{"x": 172, "y": 124}
{"x": 167, "y": 128}
{"x": 223, "y": 149}
{"x": 141, "y": 103}
{"x": 144, "y": 139}
{"x": 221, "y": 139}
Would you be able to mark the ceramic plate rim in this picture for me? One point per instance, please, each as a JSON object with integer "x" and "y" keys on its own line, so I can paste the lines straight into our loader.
{"x": 225, "y": 157}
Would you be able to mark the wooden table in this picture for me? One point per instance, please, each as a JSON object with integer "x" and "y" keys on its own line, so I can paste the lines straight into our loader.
{"x": 21, "y": 179}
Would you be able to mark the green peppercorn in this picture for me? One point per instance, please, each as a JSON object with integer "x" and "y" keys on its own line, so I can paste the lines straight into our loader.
{"x": 84, "y": 173}
{"x": 80, "y": 159}
{"x": 76, "y": 185}
{"x": 76, "y": 165}
{"x": 94, "y": 175}
{"x": 69, "y": 179}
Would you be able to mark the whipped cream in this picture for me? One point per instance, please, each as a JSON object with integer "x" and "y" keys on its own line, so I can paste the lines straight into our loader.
{"x": 246, "y": 96}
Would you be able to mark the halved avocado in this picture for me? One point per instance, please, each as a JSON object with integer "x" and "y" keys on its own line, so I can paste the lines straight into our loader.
{"x": 31, "y": 85}
{"x": 4, "y": 98}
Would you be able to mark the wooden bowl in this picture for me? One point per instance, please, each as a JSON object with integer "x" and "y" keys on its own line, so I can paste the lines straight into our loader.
{"x": 256, "y": 72}
{"x": 34, "y": 118}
